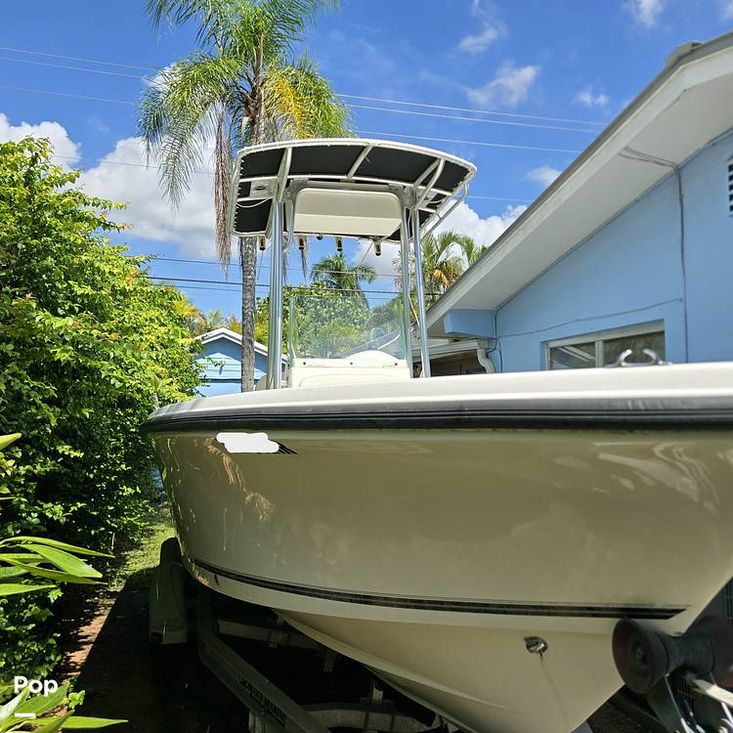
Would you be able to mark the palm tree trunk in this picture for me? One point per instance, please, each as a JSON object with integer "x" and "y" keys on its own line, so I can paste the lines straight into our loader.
{"x": 248, "y": 261}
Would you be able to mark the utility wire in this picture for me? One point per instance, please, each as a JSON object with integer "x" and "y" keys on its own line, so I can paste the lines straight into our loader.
{"x": 443, "y": 116}
{"x": 381, "y": 100}
{"x": 265, "y": 285}
{"x": 154, "y": 259}
{"x": 77, "y": 58}
{"x": 474, "y": 110}
{"x": 72, "y": 68}
{"x": 481, "y": 143}
{"x": 449, "y": 108}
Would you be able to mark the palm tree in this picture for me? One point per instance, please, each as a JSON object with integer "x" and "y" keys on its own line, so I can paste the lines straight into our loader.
{"x": 471, "y": 249}
{"x": 442, "y": 263}
{"x": 242, "y": 88}
{"x": 335, "y": 273}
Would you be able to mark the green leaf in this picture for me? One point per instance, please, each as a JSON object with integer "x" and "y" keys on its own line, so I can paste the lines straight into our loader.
{"x": 61, "y": 545}
{"x": 52, "y": 574}
{"x": 8, "y": 710}
{"x": 11, "y": 573}
{"x": 6, "y": 440}
{"x": 81, "y": 722}
{"x": 50, "y": 725}
{"x": 39, "y": 705}
{"x": 65, "y": 561}
{"x": 11, "y": 589}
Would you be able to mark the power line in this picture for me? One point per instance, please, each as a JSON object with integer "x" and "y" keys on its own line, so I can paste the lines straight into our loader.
{"x": 77, "y": 58}
{"x": 472, "y": 142}
{"x": 366, "y": 132}
{"x": 474, "y": 110}
{"x": 67, "y": 94}
{"x": 154, "y": 258}
{"x": 72, "y": 68}
{"x": 443, "y": 116}
{"x": 346, "y": 96}
{"x": 380, "y": 100}
{"x": 265, "y": 285}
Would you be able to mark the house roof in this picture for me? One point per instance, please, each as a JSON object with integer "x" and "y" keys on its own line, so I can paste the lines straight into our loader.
{"x": 687, "y": 105}
{"x": 229, "y": 335}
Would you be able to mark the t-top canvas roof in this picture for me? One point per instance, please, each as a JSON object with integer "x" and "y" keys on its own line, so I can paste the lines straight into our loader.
{"x": 351, "y": 185}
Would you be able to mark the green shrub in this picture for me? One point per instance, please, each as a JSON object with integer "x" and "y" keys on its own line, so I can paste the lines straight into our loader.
{"x": 88, "y": 348}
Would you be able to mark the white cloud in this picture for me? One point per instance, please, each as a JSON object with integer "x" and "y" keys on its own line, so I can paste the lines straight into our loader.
{"x": 645, "y": 12}
{"x": 509, "y": 87}
{"x": 479, "y": 42}
{"x": 464, "y": 220}
{"x": 543, "y": 174}
{"x": 490, "y": 30}
{"x": 122, "y": 175}
{"x": 726, "y": 9}
{"x": 587, "y": 98}
{"x": 66, "y": 151}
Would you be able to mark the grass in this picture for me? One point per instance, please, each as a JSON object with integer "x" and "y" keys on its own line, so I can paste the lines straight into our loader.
{"x": 140, "y": 559}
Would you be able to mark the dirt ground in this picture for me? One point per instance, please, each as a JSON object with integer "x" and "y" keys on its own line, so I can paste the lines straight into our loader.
{"x": 167, "y": 689}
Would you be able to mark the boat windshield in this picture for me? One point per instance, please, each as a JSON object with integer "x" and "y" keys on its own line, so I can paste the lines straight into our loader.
{"x": 333, "y": 325}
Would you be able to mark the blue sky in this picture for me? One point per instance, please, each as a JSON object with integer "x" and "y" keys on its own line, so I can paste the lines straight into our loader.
{"x": 542, "y": 78}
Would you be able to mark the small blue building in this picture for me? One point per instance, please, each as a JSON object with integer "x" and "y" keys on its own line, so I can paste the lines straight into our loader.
{"x": 631, "y": 247}
{"x": 221, "y": 360}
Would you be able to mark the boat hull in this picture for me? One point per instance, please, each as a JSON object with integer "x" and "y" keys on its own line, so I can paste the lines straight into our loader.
{"x": 433, "y": 555}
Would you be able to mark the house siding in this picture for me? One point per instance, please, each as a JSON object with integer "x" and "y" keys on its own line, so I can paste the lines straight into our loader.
{"x": 630, "y": 272}
{"x": 221, "y": 361}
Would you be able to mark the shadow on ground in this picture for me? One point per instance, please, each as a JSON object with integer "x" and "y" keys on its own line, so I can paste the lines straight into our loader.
{"x": 158, "y": 689}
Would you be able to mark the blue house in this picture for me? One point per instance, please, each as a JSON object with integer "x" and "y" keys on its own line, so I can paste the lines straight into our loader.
{"x": 630, "y": 248}
{"x": 221, "y": 361}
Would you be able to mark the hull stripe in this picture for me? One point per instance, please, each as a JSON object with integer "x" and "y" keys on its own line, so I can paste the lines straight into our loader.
{"x": 501, "y": 608}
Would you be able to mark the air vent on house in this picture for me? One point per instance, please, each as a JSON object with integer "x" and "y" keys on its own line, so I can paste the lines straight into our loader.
{"x": 730, "y": 186}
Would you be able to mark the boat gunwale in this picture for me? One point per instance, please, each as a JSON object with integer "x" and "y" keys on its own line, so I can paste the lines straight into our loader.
{"x": 636, "y": 413}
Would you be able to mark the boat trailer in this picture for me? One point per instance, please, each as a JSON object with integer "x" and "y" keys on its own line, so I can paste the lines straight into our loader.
{"x": 271, "y": 710}
{"x": 680, "y": 677}
{"x": 677, "y": 677}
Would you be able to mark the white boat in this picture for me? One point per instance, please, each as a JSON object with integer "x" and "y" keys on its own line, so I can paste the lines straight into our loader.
{"x": 473, "y": 540}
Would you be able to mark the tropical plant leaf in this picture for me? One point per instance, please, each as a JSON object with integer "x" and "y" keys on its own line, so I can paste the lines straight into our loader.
{"x": 61, "y": 545}
{"x": 11, "y": 589}
{"x": 40, "y": 705}
{"x": 56, "y": 575}
{"x": 64, "y": 561}
{"x": 8, "y": 710}
{"x": 6, "y": 440}
{"x": 82, "y": 722}
{"x": 49, "y": 725}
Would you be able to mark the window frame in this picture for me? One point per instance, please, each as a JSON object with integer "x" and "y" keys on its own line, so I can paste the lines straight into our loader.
{"x": 600, "y": 337}
{"x": 729, "y": 186}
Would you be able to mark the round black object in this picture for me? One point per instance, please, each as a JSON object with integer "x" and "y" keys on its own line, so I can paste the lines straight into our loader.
{"x": 643, "y": 656}
{"x": 640, "y": 656}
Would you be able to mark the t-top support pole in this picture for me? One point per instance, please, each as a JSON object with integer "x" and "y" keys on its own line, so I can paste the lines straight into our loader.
{"x": 420, "y": 292}
{"x": 275, "y": 336}
{"x": 406, "y": 305}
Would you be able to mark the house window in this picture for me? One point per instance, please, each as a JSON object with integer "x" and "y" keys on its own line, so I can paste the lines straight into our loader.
{"x": 730, "y": 187}
{"x": 603, "y": 348}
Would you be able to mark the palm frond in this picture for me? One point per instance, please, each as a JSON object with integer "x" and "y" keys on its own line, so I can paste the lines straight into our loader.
{"x": 302, "y": 103}
{"x": 179, "y": 114}
{"x": 212, "y": 16}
